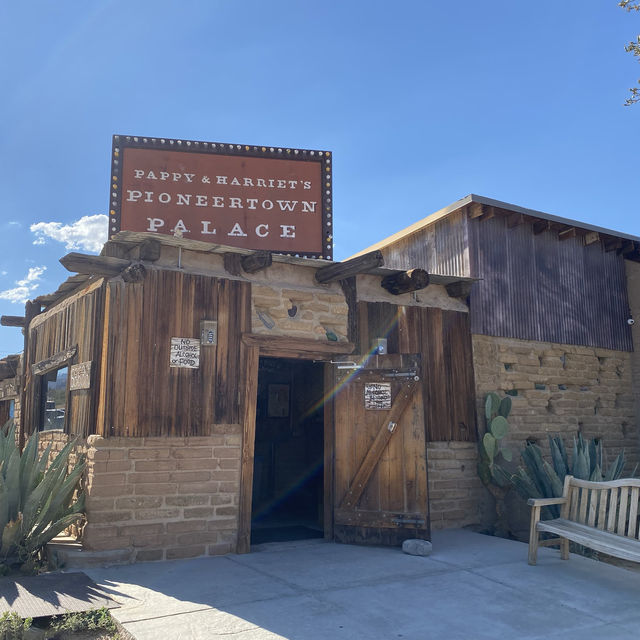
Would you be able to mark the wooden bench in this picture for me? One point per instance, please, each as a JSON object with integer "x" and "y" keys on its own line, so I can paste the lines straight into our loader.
{"x": 599, "y": 515}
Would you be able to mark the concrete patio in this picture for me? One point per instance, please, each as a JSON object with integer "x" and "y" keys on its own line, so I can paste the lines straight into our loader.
{"x": 472, "y": 586}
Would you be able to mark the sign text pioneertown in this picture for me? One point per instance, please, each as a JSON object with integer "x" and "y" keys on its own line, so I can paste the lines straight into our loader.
{"x": 244, "y": 196}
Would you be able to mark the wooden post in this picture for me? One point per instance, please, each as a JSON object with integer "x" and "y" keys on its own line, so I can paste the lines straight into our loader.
{"x": 31, "y": 310}
{"x": 250, "y": 357}
{"x": 533, "y": 535}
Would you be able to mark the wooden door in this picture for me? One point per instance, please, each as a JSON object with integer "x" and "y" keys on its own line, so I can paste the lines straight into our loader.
{"x": 380, "y": 459}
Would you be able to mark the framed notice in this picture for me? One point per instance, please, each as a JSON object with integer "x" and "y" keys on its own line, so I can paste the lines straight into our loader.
{"x": 264, "y": 198}
{"x": 184, "y": 353}
{"x": 377, "y": 395}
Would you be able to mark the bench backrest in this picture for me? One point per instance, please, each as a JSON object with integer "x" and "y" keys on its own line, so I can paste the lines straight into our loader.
{"x": 611, "y": 506}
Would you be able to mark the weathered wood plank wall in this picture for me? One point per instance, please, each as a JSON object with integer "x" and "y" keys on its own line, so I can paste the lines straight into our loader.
{"x": 143, "y": 396}
{"x": 75, "y": 322}
{"x": 444, "y": 340}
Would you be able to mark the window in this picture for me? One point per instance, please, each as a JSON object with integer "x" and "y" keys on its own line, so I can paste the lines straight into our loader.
{"x": 53, "y": 399}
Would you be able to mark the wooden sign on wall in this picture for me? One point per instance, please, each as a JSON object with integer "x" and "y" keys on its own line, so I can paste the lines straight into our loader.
{"x": 80, "y": 376}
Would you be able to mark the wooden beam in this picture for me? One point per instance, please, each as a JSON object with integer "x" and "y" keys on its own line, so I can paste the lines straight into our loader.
{"x": 515, "y": 220}
{"x": 348, "y": 268}
{"x": 540, "y": 225}
{"x": 611, "y": 244}
{"x": 570, "y": 232}
{"x": 54, "y": 362}
{"x": 256, "y": 261}
{"x": 12, "y": 321}
{"x": 489, "y": 212}
{"x": 405, "y": 281}
{"x": 475, "y": 210}
{"x": 461, "y": 290}
{"x": 94, "y": 265}
{"x": 135, "y": 272}
{"x": 232, "y": 263}
{"x": 628, "y": 247}
{"x": 591, "y": 237}
{"x": 282, "y": 346}
{"x": 148, "y": 250}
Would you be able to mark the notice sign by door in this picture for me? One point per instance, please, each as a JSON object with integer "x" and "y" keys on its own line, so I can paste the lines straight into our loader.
{"x": 377, "y": 395}
{"x": 185, "y": 353}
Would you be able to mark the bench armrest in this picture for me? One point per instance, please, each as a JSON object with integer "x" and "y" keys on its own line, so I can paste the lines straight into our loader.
{"x": 545, "y": 502}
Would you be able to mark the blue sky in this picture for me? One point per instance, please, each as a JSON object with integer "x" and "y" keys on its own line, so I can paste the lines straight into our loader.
{"x": 421, "y": 103}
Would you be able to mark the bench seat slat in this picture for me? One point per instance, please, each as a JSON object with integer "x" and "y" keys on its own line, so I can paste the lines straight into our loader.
{"x": 610, "y": 543}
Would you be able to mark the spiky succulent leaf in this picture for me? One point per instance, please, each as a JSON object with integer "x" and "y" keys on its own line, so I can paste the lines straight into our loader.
{"x": 505, "y": 407}
{"x": 593, "y": 456}
{"x": 10, "y": 536}
{"x": 581, "y": 465}
{"x": 554, "y": 480}
{"x": 596, "y": 474}
{"x": 499, "y": 427}
{"x": 501, "y": 477}
{"x": 557, "y": 458}
{"x": 489, "y": 444}
{"x": 524, "y": 485}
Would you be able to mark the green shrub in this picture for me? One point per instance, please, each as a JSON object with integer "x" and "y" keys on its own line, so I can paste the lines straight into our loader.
{"x": 36, "y": 502}
{"x": 94, "y": 620}
{"x": 12, "y": 626}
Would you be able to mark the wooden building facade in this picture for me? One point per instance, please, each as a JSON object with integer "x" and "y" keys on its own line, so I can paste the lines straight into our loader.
{"x": 316, "y": 390}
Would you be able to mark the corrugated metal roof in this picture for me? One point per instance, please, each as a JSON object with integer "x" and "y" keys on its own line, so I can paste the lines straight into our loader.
{"x": 471, "y": 198}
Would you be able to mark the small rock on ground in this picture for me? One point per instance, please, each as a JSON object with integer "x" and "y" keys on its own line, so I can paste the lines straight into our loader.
{"x": 416, "y": 547}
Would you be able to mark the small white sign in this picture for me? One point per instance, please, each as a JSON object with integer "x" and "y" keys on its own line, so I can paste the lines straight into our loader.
{"x": 80, "y": 376}
{"x": 377, "y": 395}
{"x": 185, "y": 353}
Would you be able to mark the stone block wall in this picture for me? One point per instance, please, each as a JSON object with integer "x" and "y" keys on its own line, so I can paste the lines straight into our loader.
{"x": 456, "y": 494}
{"x": 559, "y": 390}
{"x": 164, "y": 498}
{"x": 317, "y": 312}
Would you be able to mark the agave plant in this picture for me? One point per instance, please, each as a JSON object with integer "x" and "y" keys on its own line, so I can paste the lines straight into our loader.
{"x": 37, "y": 499}
{"x": 539, "y": 479}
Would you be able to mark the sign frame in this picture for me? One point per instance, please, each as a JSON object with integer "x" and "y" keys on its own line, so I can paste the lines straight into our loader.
{"x": 324, "y": 158}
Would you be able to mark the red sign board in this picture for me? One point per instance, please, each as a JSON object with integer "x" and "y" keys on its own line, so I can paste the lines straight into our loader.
{"x": 268, "y": 198}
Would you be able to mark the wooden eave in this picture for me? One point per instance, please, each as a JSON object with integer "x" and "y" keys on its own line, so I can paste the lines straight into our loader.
{"x": 69, "y": 287}
{"x": 9, "y": 366}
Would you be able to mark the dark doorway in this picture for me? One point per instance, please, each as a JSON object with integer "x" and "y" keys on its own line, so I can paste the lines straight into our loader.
{"x": 288, "y": 482}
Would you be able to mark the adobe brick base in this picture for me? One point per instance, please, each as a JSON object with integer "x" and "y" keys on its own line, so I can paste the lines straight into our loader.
{"x": 164, "y": 498}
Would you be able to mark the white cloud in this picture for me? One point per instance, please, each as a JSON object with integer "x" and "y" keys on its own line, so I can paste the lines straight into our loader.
{"x": 26, "y": 286}
{"x": 88, "y": 233}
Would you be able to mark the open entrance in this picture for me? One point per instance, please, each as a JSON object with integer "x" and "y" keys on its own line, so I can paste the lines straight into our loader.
{"x": 288, "y": 485}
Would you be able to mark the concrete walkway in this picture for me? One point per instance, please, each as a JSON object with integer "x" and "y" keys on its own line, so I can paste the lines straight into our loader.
{"x": 471, "y": 587}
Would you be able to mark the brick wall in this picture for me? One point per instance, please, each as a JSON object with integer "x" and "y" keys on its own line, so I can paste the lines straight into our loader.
{"x": 164, "y": 498}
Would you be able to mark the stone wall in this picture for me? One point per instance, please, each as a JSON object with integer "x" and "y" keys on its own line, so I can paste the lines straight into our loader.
{"x": 456, "y": 494}
{"x": 633, "y": 292}
{"x": 317, "y": 313}
{"x": 559, "y": 390}
{"x": 164, "y": 498}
